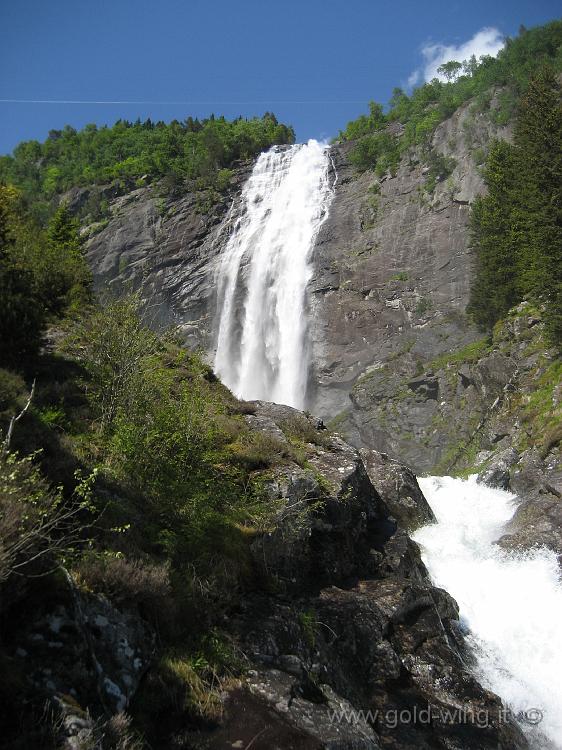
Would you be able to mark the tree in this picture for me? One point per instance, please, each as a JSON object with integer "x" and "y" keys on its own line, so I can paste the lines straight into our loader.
{"x": 538, "y": 138}
{"x": 516, "y": 228}
{"x": 65, "y": 274}
{"x": 494, "y": 239}
{"x": 451, "y": 70}
{"x": 22, "y": 316}
{"x": 114, "y": 344}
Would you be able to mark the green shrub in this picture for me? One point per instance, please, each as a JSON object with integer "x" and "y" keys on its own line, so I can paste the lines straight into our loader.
{"x": 300, "y": 428}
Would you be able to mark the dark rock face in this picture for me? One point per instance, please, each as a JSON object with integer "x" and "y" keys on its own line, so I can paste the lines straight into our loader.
{"x": 354, "y": 624}
{"x": 83, "y": 652}
{"x": 167, "y": 247}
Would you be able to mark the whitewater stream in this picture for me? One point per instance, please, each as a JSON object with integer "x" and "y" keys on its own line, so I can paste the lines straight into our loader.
{"x": 262, "y": 350}
{"x": 510, "y": 603}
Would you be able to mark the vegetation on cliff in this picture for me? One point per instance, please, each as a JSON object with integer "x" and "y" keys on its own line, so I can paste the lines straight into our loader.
{"x": 133, "y": 151}
{"x": 380, "y": 143}
{"x": 516, "y": 227}
{"x": 42, "y": 274}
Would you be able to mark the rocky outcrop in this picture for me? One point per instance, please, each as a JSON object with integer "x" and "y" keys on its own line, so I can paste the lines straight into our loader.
{"x": 515, "y": 445}
{"x": 165, "y": 244}
{"x": 86, "y": 658}
{"x": 351, "y": 642}
{"x": 400, "y": 489}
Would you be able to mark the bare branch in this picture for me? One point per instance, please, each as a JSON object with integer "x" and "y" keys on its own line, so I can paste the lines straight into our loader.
{"x": 13, "y": 420}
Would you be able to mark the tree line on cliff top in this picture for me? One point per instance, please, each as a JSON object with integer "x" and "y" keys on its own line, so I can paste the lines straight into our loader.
{"x": 128, "y": 153}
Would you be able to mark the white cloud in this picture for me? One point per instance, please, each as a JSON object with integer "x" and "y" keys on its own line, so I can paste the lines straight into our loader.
{"x": 487, "y": 41}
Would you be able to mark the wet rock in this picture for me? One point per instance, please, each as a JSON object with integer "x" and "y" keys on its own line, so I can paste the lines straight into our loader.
{"x": 498, "y": 469}
{"x": 537, "y": 522}
{"x": 399, "y": 487}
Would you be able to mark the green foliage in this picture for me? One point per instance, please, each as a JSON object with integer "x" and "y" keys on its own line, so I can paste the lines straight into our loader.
{"x": 440, "y": 167}
{"x": 451, "y": 70}
{"x": 423, "y": 306}
{"x": 309, "y": 624}
{"x": 116, "y": 348}
{"x": 428, "y": 105}
{"x": 38, "y": 527}
{"x": 378, "y": 151}
{"x": 301, "y": 428}
{"x": 541, "y": 415}
{"x": 127, "y": 152}
{"x": 42, "y": 274}
{"x": 468, "y": 354}
{"x": 516, "y": 227}
{"x": 169, "y": 435}
{"x": 186, "y": 681}
{"x": 23, "y": 315}
{"x": 64, "y": 274}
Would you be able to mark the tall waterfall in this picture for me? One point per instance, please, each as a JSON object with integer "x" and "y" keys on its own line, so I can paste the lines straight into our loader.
{"x": 510, "y": 602}
{"x": 262, "y": 350}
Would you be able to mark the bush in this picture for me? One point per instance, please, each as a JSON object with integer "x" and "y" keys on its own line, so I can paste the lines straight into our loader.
{"x": 259, "y": 450}
{"x": 114, "y": 346}
{"x": 300, "y": 428}
{"x": 36, "y": 525}
{"x": 139, "y": 583}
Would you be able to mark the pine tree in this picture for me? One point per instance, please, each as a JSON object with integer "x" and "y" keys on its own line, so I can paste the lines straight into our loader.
{"x": 538, "y": 138}
{"x": 517, "y": 227}
{"x": 494, "y": 238}
{"x": 21, "y": 313}
{"x": 66, "y": 274}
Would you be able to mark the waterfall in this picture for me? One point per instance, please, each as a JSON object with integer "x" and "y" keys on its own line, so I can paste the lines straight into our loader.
{"x": 510, "y": 602}
{"x": 262, "y": 278}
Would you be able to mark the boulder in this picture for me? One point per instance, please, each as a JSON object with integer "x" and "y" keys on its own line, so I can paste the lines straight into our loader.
{"x": 400, "y": 489}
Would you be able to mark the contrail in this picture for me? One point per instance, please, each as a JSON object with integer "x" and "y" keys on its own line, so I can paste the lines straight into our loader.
{"x": 191, "y": 101}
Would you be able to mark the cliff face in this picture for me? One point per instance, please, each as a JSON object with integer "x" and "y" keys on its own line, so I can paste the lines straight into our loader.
{"x": 393, "y": 274}
{"x": 166, "y": 246}
{"x": 339, "y": 630}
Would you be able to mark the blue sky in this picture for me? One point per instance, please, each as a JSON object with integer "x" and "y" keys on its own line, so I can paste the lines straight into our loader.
{"x": 315, "y": 63}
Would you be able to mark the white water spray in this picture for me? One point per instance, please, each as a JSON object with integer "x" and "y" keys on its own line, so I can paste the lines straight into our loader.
{"x": 511, "y": 602}
{"x": 262, "y": 350}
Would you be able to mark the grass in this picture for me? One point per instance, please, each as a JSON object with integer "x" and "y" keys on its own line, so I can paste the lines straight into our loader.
{"x": 300, "y": 430}
{"x": 308, "y": 623}
{"x": 541, "y": 417}
{"x": 425, "y": 304}
{"x": 467, "y": 355}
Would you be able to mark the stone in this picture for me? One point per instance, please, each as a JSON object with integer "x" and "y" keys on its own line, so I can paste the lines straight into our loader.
{"x": 498, "y": 469}
{"x": 399, "y": 487}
